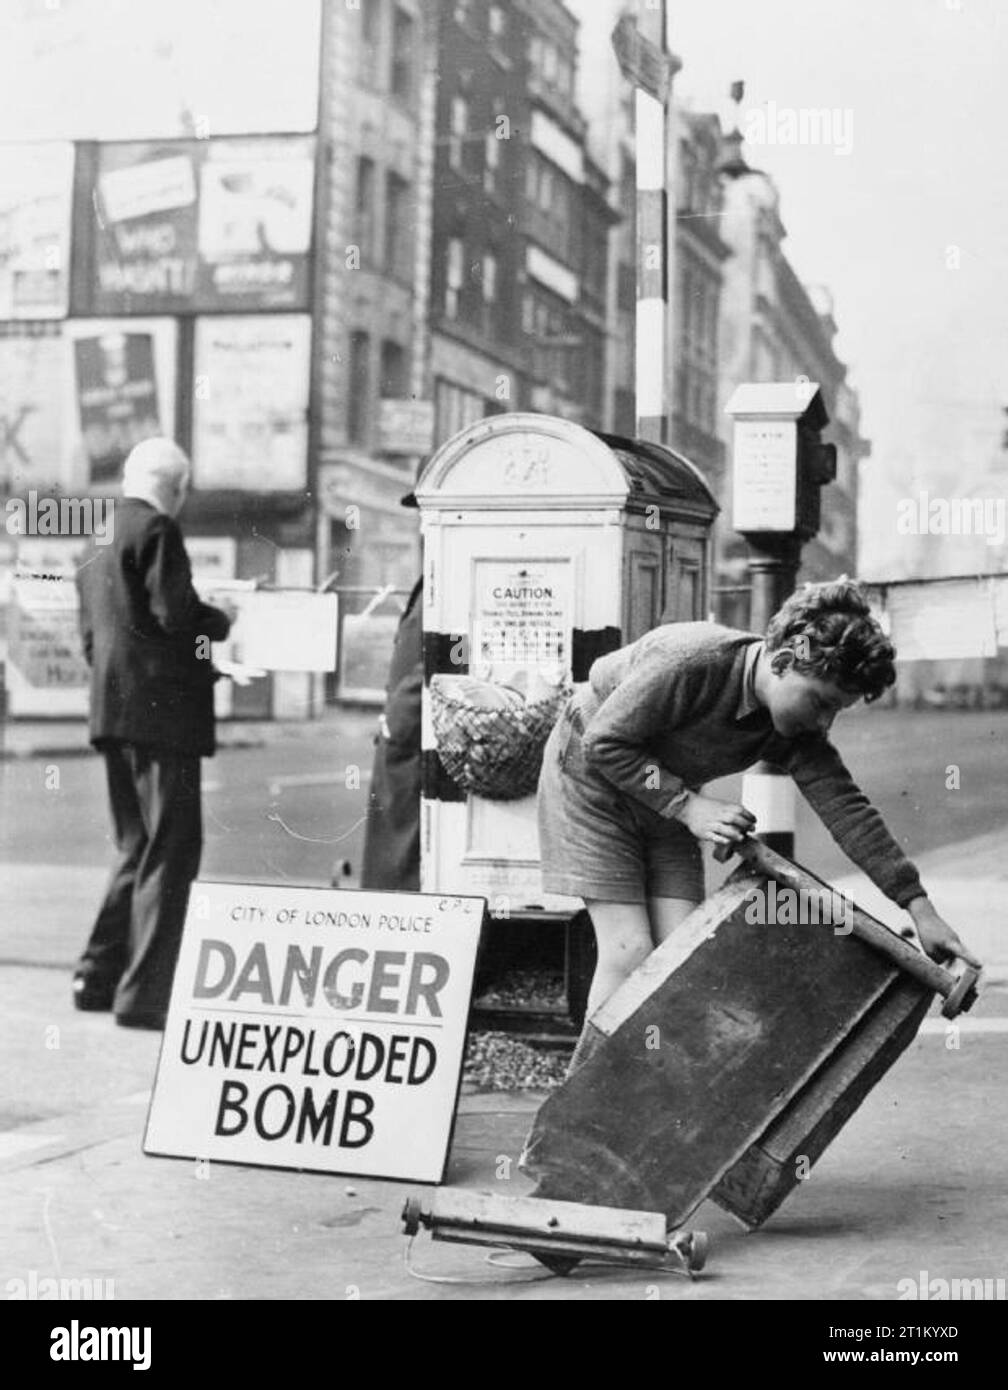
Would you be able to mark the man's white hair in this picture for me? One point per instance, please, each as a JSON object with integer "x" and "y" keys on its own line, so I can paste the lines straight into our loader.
{"x": 153, "y": 464}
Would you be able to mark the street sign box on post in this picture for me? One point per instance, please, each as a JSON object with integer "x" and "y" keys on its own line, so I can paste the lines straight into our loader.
{"x": 641, "y": 60}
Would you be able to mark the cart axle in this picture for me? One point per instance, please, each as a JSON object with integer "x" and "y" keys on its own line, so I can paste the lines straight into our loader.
{"x": 558, "y": 1234}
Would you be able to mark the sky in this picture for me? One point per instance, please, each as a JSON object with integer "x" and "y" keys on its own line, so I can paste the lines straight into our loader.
{"x": 909, "y": 230}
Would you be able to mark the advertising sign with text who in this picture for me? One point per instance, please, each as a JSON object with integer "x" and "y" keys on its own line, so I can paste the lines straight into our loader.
{"x": 196, "y": 225}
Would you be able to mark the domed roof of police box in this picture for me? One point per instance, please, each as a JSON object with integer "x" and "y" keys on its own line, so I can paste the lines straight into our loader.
{"x": 522, "y": 460}
{"x": 662, "y": 475}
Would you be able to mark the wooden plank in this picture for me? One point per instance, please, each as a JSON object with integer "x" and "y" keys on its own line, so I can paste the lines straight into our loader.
{"x": 453, "y": 1207}
{"x": 716, "y": 1033}
{"x": 755, "y": 1187}
{"x": 903, "y": 953}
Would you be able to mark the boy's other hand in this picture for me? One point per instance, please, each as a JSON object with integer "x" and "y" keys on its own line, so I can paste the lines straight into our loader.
{"x": 936, "y": 936}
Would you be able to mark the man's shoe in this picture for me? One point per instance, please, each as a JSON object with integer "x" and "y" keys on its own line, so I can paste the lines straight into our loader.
{"x": 92, "y": 994}
{"x": 154, "y": 1021}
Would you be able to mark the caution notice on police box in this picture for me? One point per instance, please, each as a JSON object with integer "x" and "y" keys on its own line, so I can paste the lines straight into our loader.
{"x": 315, "y": 1028}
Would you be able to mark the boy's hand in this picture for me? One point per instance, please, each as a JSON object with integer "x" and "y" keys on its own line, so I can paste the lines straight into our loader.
{"x": 721, "y": 822}
{"x": 936, "y": 936}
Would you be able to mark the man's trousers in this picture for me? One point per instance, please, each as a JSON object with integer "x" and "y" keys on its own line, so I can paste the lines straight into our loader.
{"x": 156, "y": 813}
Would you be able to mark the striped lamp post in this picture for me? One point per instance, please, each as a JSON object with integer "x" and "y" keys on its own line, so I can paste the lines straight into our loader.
{"x": 645, "y": 61}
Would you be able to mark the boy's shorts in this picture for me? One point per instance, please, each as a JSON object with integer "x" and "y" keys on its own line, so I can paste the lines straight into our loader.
{"x": 597, "y": 842}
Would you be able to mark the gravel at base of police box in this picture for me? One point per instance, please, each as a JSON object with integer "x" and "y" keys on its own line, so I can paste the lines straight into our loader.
{"x": 499, "y": 1062}
{"x": 530, "y": 989}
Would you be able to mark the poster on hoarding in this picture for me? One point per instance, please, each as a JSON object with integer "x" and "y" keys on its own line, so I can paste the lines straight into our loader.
{"x": 316, "y": 1029}
{"x": 33, "y": 426}
{"x": 938, "y": 620}
{"x": 46, "y": 673}
{"x": 43, "y": 639}
{"x": 255, "y": 216}
{"x": 67, "y": 413}
{"x": 36, "y": 198}
{"x": 203, "y": 225}
{"x": 250, "y": 412}
{"x": 145, "y": 238}
{"x": 121, "y": 389}
{"x": 117, "y": 399}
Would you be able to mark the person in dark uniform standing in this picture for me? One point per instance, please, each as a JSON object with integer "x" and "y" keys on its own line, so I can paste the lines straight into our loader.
{"x": 392, "y": 830}
{"x": 146, "y": 637}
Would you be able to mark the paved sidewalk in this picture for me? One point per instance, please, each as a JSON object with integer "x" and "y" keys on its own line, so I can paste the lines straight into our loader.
{"x": 915, "y": 1182}
{"x": 38, "y": 738}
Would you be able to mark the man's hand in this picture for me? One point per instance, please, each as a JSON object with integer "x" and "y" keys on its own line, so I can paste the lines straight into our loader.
{"x": 226, "y": 605}
{"x": 721, "y": 822}
{"x": 936, "y": 936}
{"x": 241, "y": 675}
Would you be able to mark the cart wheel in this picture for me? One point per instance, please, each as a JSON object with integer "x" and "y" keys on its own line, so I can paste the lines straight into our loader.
{"x": 556, "y": 1264}
{"x": 696, "y": 1251}
{"x": 411, "y": 1216}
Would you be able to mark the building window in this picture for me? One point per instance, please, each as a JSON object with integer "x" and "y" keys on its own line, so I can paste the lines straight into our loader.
{"x": 531, "y": 178}
{"x": 545, "y": 188}
{"x": 491, "y": 162}
{"x": 364, "y": 211}
{"x": 358, "y": 403}
{"x": 370, "y": 41}
{"x": 463, "y": 11}
{"x": 402, "y": 55}
{"x": 497, "y": 21}
{"x": 528, "y": 314}
{"x": 454, "y": 277}
{"x": 455, "y": 407}
{"x": 398, "y": 228}
{"x": 394, "y": 375}
{"x": 457, "y": 132}
{"x": 490, "y": 278}
{"x": 549, "y": 62}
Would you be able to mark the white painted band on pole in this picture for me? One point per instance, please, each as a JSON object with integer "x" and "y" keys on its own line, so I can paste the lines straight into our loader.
{"x": 771, "y": 798}
{"x": 650, "y": 141}
{"x": 650, "y": 355}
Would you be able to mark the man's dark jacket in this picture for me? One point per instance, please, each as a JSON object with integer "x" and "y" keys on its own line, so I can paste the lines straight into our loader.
{"x": 141, "y": 623}
{"x": 391, "y": 859}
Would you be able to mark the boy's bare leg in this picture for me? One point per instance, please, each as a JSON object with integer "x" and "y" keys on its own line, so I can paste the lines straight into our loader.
{"x": 666, "y": 915}
{"x": 625, "y": 934}
{"x": 623, "y": 939}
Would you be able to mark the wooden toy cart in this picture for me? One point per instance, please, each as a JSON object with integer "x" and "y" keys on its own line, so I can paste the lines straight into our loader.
{"x": 721, "y": 1068}
{"x": 734, "y": 1051}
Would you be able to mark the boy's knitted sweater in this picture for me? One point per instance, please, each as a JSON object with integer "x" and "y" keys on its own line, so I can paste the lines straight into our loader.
{"x": 675, "y": 709}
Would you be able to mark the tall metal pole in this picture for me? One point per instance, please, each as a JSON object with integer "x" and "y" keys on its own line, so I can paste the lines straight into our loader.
{"x": 767, "y": 790}
{"x": 645, "y": 61}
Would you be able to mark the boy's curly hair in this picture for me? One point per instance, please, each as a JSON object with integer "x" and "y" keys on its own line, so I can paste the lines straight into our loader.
{"x": 831, "y": 632}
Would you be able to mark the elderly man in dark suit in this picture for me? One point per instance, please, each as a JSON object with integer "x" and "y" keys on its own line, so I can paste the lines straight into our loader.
{"x": 146, "y": 637}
